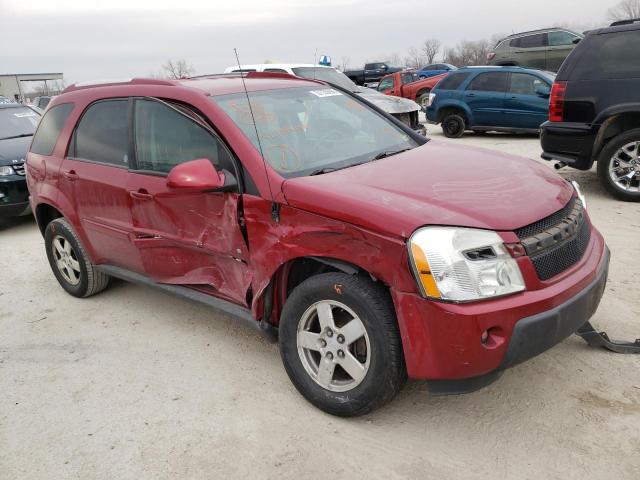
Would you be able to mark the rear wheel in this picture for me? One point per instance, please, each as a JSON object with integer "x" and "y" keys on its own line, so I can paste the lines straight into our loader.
{"x": 619, "y": 166}
{"x": 69, "y": 261}
{"x": 453, "y": 125}
{"x": 340, "y": 344}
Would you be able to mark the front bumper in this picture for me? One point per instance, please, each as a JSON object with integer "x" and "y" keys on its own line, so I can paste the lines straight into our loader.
{"x": 14, "y": 196}
{"x": 570, "y": 143}
{"x": 442, "y": 341}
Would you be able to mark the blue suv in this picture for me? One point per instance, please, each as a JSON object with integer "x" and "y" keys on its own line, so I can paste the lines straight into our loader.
{"x": 503, "y": 99}
{"x": 435, "y": 69}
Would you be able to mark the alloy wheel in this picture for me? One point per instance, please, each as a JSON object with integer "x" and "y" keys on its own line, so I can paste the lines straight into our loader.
{"x": 66, "y": 259}
{"x": 624, "y": 167}
{"x": 333, "y": 346}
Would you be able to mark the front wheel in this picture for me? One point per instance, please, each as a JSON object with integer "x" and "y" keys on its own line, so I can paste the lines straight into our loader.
{"x": 340, "y": 343}
{"x": 453, "y": 125}
{"x": 619, "y": 166}
{"x": 423, "y": 99}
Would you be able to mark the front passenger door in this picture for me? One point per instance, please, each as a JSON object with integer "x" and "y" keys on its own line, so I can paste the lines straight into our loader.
{"x": 186, "y": 238}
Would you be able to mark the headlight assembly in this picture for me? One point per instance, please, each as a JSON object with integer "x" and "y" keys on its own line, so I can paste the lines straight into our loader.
{"x": 6, "y": 170}
{"x": 463, "y": 264}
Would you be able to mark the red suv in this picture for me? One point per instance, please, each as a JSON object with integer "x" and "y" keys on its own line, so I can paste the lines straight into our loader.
{"x": 374, "y": 253}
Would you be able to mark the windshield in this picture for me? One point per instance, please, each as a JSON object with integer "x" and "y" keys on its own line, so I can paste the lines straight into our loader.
{"x": 17, "y": 122}
{"x": 304, "y": 130}
{"x": 325, "y": 74}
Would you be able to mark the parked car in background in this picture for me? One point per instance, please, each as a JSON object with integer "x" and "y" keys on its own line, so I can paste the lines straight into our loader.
{"x": 409, "y": 85}
{"x": 372, "y": 73}
{"x": 502, "y": 99}
{"x": 377, "y": 254}
{"x": 594, "y": 111}
{"x": 435, "y": 69}
{"x": 4, "y": 99}
{"x": 17, "y": 125}
{"x": 543, "y": 49}
{"x": 42, "y": 102}
{"x": 404, "y": 110}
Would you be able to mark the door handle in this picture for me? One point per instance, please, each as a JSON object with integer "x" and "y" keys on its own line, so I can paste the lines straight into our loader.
{"x": 471, "y": 94}
{"x": 141, "y": 194}
{"x": 70, "y": 175}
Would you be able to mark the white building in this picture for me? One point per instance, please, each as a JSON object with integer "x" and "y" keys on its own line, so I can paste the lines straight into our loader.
{"x": 11, "y": 85}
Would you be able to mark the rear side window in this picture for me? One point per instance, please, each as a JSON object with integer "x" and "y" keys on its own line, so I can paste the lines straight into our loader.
{"x": 275, "y": 70}
{"x": 453, "y": 81}
{"x": 49, "y": 129}
{"x": 610, "y": 55}
{"x": 102, "y": 134}
{"x": 166, "y": 138}
{"x": 489, "y": 82}
{"x": 532, "y": 41}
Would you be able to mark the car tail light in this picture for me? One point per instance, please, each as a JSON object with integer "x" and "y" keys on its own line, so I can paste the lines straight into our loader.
{"x": 490, "y": 56}
{"x": 556, "y": 101}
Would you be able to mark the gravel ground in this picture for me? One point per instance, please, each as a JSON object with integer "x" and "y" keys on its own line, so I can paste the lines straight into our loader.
{"x": 135, "y": 384}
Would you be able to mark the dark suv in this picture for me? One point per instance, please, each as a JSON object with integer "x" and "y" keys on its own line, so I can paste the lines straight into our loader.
{"x": 544, "y": 49}
{"x": 594, "y": 110}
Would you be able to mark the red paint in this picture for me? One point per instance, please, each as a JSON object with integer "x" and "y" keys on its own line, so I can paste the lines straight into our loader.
{"x": 229, "y": 245}
{"x": 411, "y": 90}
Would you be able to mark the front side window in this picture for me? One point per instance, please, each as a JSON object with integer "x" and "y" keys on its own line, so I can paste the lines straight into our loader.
{"x": 453, "y": 81}
{"x": 489, "y": 82}
{"x": 165, "y": 137}
{"x": 559, "y": 38}
{"x": 385, "y": 84}
{"x": 102, "y": 134}
{"x": 306, "y": 129}
{"x": 525, "y": 84}
{"x": 49, "y": 129}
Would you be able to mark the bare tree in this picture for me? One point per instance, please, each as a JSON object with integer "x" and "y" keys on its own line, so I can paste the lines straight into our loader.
{"x": 468, "y": 53}
{"x": 176, "y": 69}
{"x": 344, "y": 63}
{"x": 431, "y": 48}
{"x": 625, "y": 10}
{"x": 414, "y": 58}
{"x": 394, "y": 59}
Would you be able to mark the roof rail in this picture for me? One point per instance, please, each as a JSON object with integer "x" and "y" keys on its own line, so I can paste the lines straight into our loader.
{"x": 630, "y": 21}
{"x": 108, "y": 83}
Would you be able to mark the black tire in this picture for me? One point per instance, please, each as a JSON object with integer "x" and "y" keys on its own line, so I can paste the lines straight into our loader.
{"x": 91, "y": 281}
{"x": 605, "y": 159}
{"x": 371, "y": 302}
{"x": 453, "y": 125}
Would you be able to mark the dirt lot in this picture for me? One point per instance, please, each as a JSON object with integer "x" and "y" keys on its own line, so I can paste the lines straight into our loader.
{"x": 135, "y": 384}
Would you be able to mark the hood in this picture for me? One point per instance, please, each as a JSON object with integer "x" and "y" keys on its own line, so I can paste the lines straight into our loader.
{"x": 14, "y": 149}
{"x": 386, "y": 102}
{"x": 437, "y": 184}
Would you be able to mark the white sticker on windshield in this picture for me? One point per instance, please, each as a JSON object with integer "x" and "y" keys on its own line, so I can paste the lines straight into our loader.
{"x": 20, "y": 115}
{"x": 327, "y": 92}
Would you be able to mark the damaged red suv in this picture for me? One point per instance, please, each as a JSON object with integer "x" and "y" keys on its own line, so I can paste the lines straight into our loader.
{"x": 373, "y": 253}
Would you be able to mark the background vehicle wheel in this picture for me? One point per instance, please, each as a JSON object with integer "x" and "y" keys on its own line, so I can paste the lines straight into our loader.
{"x": 453, "y": 125}
{"x": 423, "y": 99}
{"x": 619, "y": 166}
{"x": 70, "y": 262}
{"x": 340, "y": 343}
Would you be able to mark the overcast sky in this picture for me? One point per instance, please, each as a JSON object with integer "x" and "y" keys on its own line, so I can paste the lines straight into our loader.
{"x": 96, "y": 39}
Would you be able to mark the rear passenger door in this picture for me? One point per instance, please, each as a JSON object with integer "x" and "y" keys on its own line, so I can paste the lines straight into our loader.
{"x": 186, "y": 238}
{"x": 95, "y": 175}
{"x": 485, "y": 98}
{"x": 524, "y": 107}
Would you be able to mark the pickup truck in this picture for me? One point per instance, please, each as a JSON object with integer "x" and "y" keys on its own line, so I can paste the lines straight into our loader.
{"x": 372, "y": 73}
{"x": 409, "y": 85}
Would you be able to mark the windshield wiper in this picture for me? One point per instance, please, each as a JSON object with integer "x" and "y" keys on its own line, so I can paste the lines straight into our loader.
{"x": 389, "y": 153}
{"x": 18, "y": 136}
{"x": 324, "y": 170}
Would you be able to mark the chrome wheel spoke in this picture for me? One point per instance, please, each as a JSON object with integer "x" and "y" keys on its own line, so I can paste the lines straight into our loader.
{"x": 73, "y": 263}
{"x": 326, "y": 369}
{"x": 65, "y": 260}
{"x": 58, "y": 246}
{"x": 309, "y": 340}
{"x": 624, "y": 167}
{"x": 353, "y": 331}
{"x": 352, "y": 366}
{"x": 325, "y": 315}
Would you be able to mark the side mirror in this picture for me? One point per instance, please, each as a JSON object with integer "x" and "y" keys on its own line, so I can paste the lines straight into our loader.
{"x": 543, "y": 91}
{"x": 385, "y": 67}
{"x": 199, "y": 176}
